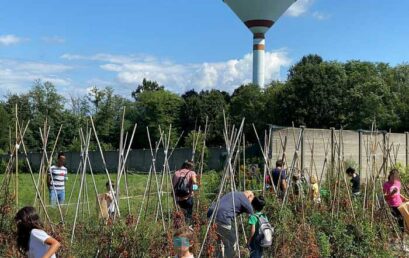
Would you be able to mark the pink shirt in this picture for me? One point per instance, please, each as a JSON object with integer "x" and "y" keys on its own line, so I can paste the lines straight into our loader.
{"x": 181, "y": 173}
{"x": 394, "y": 200}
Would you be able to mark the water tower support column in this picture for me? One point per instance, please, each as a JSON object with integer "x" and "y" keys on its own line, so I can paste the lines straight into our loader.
{"x": 258, "y": 58}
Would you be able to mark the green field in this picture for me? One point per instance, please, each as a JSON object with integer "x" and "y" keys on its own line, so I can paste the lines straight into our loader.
{"x": 129, "y": 200}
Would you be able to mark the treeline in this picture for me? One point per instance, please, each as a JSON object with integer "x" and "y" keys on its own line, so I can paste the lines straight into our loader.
{"x": 317, "y": 93}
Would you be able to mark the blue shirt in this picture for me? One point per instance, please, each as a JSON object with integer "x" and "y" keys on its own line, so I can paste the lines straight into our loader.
{"x": 226, "y": 211}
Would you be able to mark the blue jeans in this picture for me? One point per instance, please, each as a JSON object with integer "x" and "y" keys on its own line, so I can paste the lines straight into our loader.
{"x": 256, "y": 251}
{"x": 54, "y": 194}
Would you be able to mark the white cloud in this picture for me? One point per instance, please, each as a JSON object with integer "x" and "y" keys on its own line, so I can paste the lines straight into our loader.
{"x": 320, "y": 16}
{"x": 299, "y": 8}
{"x": 226, "y": 75}
{"x": 16, "y": 76}
{"x": 53, "y": 39}
{"x": 9, "y": 39}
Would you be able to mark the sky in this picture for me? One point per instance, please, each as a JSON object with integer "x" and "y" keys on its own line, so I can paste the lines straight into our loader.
{"x": 183, "y": 44}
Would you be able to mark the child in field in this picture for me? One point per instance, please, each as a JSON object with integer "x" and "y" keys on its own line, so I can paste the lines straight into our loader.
{"x": 182, "y": 241}
{"x": 32, "y": 240}
{"x": 258, "y": 203}
{"x": 315, "y": 190}
{"x": 297, "y": 186}
{"x": 109, "y": 196}
{"x": 355, "y": 181}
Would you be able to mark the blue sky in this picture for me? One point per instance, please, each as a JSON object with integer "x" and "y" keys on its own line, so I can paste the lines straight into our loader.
{"x": 183, "y": 44}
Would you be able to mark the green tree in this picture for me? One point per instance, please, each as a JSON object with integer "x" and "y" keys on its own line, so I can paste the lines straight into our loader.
{"x": 248, "y": 101}
{"x": 108, "y": 115}
{"x": 370, "y": 96}
{"x": 156, "y": 109}
{"x": 314, "y": 94}
{"x": 146, "y": 86}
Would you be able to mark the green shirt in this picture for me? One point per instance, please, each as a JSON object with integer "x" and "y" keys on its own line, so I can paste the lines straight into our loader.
{"x": 253, "y": 220}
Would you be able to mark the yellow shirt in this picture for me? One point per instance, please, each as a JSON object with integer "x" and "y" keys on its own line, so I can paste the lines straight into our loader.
{"x": 315, "y": 191}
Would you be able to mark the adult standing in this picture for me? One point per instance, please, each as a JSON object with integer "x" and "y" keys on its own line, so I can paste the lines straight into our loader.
{"x": 184, "y": 184}
{"x": 225, "y": 215}
{"x": 56, "y": 180}
{"x": 394, "y": 199}
{"x": 280, "y": 178}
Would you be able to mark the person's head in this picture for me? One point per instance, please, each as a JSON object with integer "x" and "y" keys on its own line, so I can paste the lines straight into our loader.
{"x": 107, "y": 185}
{"x": 249, "y": 195}
{"x": 61, "y": 159}
{"x": 296, "y": 177}
{"x": 279, "y": 163}
{"x": 26, "y": 220}
{"x": 182, "y": 240}
{"x": 393, "y": 175}
{"x": 258, "y": 203}
{"x": 350, "y": 171}
{"x": 188, "y": 164}
{"x": 313, "y": 180}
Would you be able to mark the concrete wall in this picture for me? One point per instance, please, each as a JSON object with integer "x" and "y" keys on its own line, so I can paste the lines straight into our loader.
{"x": 316, "y": 148}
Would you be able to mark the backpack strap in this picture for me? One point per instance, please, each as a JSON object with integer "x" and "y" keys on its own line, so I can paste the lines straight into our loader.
{"x": 187, "y": 173}
{"x": 258, "y": 217}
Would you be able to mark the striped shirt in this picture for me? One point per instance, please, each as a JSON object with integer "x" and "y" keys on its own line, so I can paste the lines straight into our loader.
{"x": 58, "y": 177}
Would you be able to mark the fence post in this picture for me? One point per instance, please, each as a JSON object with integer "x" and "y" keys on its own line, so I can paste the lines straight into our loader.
{"x": 332, "y": 150}
{"x": 302, "y": 146}
{"x": 407, "y": 148}
{"x": 385, "y": 156}
{"x": 360, "y": 151}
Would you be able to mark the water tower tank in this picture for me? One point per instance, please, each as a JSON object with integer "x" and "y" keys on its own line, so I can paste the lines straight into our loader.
{"x": 259, "y": 16}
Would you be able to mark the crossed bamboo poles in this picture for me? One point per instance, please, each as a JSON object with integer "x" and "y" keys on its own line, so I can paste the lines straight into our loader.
{"x": 233, "y": 138}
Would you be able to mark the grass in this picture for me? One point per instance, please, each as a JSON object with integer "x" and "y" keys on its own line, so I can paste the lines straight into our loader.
{"x": 136, "y": 188}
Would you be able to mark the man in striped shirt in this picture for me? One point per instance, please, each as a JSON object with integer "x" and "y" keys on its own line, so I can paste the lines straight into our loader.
{"x": 56, "y": 180}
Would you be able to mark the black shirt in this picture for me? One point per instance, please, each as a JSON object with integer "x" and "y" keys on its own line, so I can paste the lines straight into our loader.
{"x": 356, "y": 181}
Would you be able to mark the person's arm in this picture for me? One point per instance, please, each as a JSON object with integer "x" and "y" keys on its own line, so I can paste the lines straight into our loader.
{"x": 246, "y": 205}
{"x": 284, "y": 184}
{"x": 389, "y": 194}
{"x": 194, "y": 182}
{"x": 252, "y": 233}
{"x": 194, "y": 178}
{"x": 49, "y": 177}
{"x": 54, "y": 246}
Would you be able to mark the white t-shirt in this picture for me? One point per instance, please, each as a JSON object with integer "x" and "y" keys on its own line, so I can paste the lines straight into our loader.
{"x": 36, "y": 247}
{"x": 111, "y": 207}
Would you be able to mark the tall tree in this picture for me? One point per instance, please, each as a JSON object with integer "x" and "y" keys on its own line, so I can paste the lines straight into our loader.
{"x": 156, "y": 109}
{"x": 314, "y": 95}
{"x": 146, "y": 86}
{"x": 248, "y": 101}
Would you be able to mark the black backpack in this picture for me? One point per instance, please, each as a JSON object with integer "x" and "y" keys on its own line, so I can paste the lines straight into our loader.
{"x": 182, "y": 188}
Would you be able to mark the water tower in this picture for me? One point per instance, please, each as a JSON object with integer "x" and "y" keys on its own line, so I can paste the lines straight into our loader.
{"x": 259, "y": 16}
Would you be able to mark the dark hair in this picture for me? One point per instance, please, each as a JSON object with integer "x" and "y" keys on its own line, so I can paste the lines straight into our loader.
{"x": 258, "y": 203}
{"x": 188, "y": 164}
{"x": 279, "y": 163}
{"x": 350, "y": 170}
{"x": 393, "y": 172}
{"x": 26, "y": 219}
{"x": 60, "y": 154}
